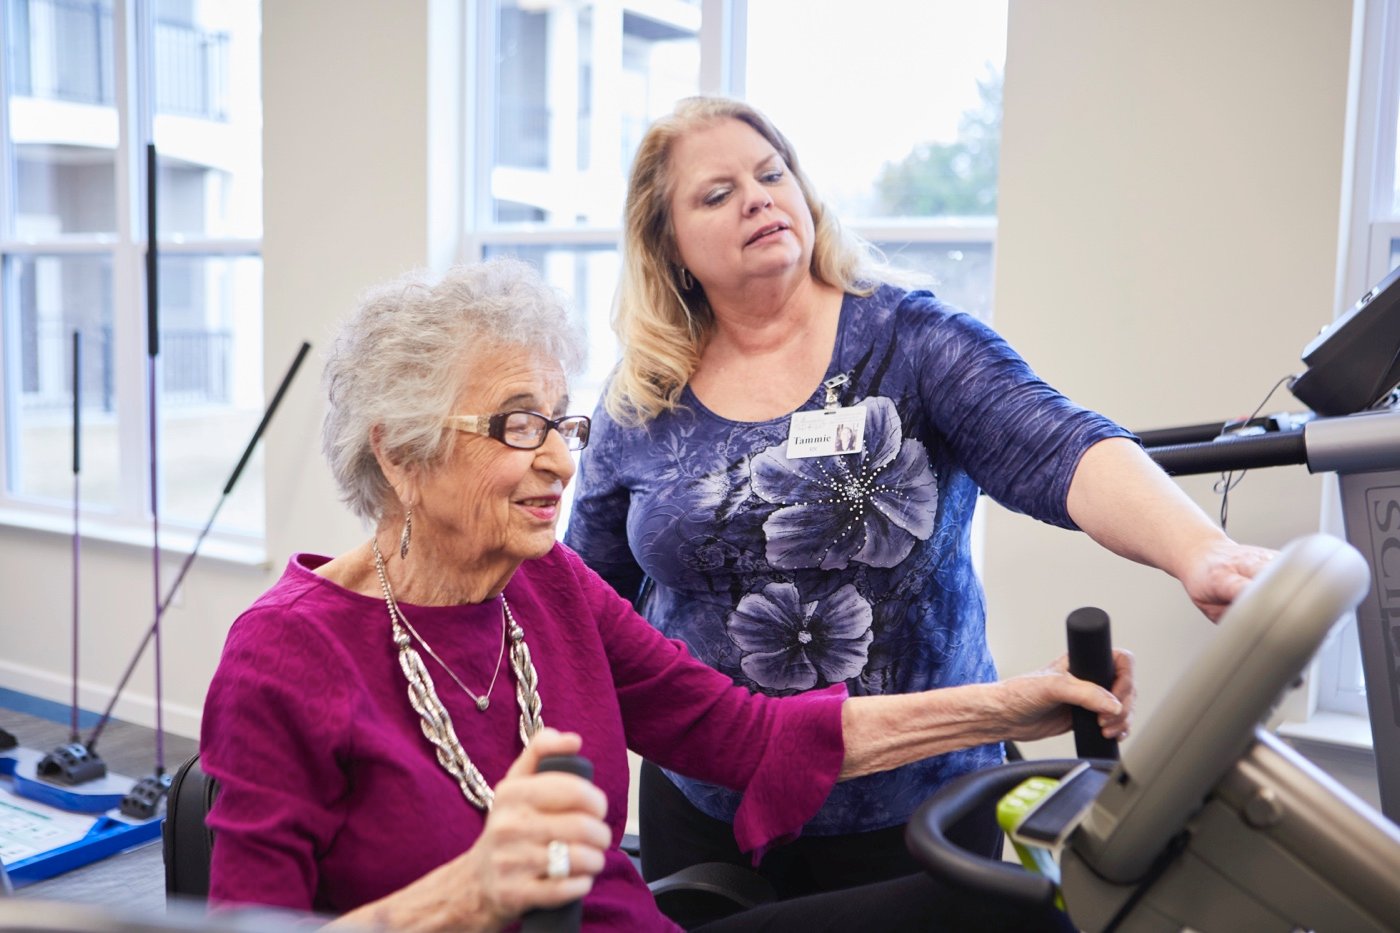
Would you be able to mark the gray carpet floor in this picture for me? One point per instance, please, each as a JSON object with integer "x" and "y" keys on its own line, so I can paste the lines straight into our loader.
{"x": 131, "y": 880}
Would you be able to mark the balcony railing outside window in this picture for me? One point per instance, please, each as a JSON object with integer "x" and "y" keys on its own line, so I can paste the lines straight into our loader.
{"x": 61, "y": 50}
{"x": 194, "y": 367}
{"x": 191, "y": 71}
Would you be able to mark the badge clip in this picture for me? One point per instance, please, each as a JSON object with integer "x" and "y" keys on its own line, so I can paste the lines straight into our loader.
{"x": 832, "y": 384}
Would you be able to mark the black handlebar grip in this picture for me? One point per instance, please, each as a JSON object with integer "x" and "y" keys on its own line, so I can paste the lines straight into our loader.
{"x": 574, "y": 764}
{"x": 1091, "y": 659}
{"x": 568, "y": 918}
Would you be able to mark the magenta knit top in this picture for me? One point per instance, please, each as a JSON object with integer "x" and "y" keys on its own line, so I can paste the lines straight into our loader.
{"x": 331, "y": 797}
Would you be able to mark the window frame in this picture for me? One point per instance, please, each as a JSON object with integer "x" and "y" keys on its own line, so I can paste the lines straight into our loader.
{"x": 723, "y": 56}
{"x": 129, "y": 521}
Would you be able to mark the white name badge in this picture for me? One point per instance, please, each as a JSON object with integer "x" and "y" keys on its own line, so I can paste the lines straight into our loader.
{"x": 826, "y": 433}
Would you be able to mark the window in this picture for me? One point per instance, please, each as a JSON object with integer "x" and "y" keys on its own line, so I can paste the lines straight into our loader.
{"x": 85, "y": 85}
{"x": 915, "y": 172}
{"x": 571, "y": 88}
{"x": 1371, "y": 250}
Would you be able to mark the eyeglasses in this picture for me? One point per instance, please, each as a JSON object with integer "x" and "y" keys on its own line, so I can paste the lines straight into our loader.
{"x": 525, "y": 430}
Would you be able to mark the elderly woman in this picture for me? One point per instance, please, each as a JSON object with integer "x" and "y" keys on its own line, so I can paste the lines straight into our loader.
{"x": 376, "y": 719}
{"x": 711, "y": 495}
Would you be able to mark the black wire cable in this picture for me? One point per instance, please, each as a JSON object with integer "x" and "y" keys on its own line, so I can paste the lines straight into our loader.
{"x": 1228, "y": 480}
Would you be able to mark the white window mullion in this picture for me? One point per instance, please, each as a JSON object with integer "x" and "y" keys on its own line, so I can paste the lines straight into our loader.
{"x": 7, "y": 41}
{"x": 9, "y": 360}
{"x": 932, "y": 230}
{"x": 449, "y": 61}
{"x": 479, "y": 124}
{"x": 1384, "y": 20}
{"x": 603, "y": 182}
{"x": 128, "y": 265}
{"x": 723, "y": 49}
{"x": 552, "y": 236}
{"x": 232, "y": 246}
{"x": 1375, "y": 151}
{"x": 561, "y": 177}
{"x": 9, "y": 355}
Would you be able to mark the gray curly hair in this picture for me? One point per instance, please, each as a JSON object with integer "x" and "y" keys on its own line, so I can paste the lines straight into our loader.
{"x": 396, "y": 364}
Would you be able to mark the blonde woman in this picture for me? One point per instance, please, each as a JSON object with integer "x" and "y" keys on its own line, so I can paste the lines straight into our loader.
{"x": 712, "y": 493}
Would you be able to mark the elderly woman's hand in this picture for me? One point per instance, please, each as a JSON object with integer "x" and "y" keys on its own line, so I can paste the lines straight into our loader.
{"x": 509, "y": 861}
{"x": 1037, "y": 705}
{"x": 883, "y": 732}
{"x": 503, "y": 874}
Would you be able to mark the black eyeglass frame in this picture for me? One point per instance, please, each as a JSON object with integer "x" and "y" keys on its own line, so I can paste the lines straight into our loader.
{"x": 494, "y": 426}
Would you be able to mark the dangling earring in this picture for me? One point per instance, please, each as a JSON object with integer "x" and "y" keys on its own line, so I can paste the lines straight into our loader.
{"x": 687, "y": 283}
{"x": 407, "y": 534}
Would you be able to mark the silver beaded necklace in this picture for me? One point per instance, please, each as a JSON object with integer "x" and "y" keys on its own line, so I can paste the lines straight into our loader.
{"x": 482, "y": 702}
{"x": 436, "y": 722}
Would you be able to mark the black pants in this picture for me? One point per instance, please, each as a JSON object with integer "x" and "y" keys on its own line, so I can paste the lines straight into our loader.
{"x": 862, "y": 881}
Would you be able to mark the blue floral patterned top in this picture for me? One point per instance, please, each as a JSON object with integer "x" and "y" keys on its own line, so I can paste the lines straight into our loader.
{"x": 795, "y": 574}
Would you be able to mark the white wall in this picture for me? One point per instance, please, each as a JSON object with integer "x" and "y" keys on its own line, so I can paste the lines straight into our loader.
{"x": 1170, "y": 189}
{"x": 345, "y": 207}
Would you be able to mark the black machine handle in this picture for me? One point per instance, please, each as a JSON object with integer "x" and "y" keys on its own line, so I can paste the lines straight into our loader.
{"x": 77, "y": 397}
{"x": 1091, "y": 659}
{"x": 573, "y": 764}
{"x": 267, "y": 415}
{"x": 568, "y": 918}
{"x": 1210, "y": 430}
{"x": 152, "y": 258}
{"x": 1244, "y": 452}
{"x": 927, "y": 834}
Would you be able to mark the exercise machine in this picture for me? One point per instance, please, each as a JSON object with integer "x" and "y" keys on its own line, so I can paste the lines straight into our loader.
{"x": 1207, "y": 822}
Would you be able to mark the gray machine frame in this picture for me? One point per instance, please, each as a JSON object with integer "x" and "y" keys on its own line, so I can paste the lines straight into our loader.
{"x": 1353, "y": 447}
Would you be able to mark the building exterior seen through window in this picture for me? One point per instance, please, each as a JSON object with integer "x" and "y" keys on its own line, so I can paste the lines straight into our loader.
{"x": 78, "y": 112}
{"x": 571, "y": 88}
{"x": 900, "y": 133}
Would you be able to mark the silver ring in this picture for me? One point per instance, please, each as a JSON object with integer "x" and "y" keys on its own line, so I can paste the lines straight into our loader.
{"x": 557, "y": 860}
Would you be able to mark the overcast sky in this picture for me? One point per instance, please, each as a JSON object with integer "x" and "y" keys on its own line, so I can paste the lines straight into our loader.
{"x": 901, "y": 73}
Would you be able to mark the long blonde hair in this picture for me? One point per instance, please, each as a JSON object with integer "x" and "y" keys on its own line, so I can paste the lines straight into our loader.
{"x": 662, "y": 321}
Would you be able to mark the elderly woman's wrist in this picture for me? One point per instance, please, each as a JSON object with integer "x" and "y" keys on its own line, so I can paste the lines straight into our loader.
{"x": 990, "y": 712}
